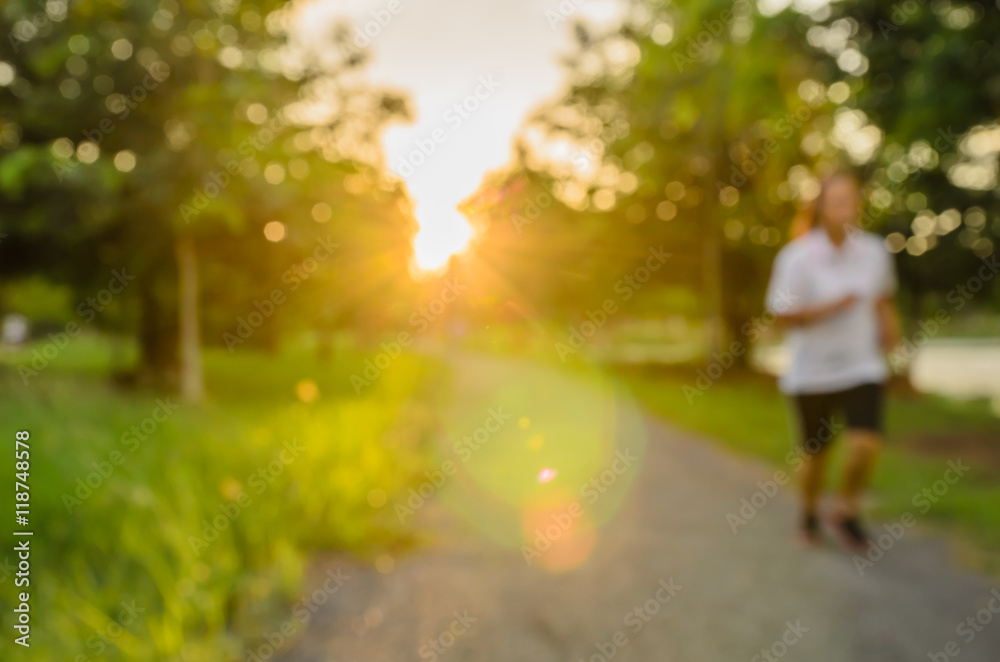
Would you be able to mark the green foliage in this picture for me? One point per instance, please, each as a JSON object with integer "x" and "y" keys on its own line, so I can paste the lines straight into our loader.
{"x": 129, "y": 125}
{"x": 710, "y": 122}
{"x": 132, "y": 538}
{"x": 684, "y": 142}
{"x": 930, "y": 82}
{"x": 37, "y": 299}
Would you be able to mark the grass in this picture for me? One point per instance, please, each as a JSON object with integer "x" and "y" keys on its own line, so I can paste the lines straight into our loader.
{"x": 203, "y": 519}
{"x": 746, "y": 413}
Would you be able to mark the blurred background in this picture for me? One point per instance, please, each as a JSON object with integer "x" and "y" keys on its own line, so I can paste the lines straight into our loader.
{"x": 267, "y": 267}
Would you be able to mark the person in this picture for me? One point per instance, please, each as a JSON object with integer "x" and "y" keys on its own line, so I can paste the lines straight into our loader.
{"x": 833, "y": 288}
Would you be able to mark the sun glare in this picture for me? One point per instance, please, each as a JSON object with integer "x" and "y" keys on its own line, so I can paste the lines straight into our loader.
{"x": 443, "y": 232}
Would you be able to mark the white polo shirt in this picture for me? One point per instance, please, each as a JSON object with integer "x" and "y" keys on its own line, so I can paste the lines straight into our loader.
{"x": 841, "y": 351}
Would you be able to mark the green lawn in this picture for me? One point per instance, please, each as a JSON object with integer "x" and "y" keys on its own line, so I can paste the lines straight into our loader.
{"x": 746, "y": 413}
{"x": 204, "y": 518}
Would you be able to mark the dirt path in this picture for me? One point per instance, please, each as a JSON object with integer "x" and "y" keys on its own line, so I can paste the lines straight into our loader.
{"x": 665, "y": 579}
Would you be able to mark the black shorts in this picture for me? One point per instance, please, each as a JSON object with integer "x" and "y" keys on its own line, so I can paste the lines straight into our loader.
{"x": 822, "y": 415}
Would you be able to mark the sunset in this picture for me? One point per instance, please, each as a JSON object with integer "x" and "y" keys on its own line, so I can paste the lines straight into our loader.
{"x": 542, "y": 330}
{"x": 467, "y": 110}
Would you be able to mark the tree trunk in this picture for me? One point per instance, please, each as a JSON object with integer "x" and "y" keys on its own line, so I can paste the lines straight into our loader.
{"x": 712, "y": 256}
{"x": 742, "y": 297}
{"x": 192, "y": 387}
{"x": 712, "y": 275}
{"x": 157, "y": 335}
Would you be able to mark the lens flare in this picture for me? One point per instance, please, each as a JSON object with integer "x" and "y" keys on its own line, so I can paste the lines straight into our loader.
{"x": 538, "y": 456}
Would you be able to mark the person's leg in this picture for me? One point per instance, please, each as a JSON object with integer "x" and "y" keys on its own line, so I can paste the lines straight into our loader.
{"x": 813, "y": 474}
{"x": 814, "y": 411}
{"x": 863, "y": 448}
{"x": 863, "y": 407}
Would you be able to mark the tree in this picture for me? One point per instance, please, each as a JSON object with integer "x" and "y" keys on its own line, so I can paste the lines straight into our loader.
{"x": 686, "y": 126}
{"x": 132, "y": 132}
{"x": 926, "y": 75}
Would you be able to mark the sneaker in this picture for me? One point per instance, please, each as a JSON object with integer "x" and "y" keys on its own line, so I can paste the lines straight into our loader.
{"x": 810, "y": 534}
{"x": 850, "y": 533}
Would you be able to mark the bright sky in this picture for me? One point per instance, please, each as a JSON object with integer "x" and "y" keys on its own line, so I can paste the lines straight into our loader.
{"x": 496, "y": 59}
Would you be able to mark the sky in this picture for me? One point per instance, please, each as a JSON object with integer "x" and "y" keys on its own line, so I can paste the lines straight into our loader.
{"x": 474, "y": 70}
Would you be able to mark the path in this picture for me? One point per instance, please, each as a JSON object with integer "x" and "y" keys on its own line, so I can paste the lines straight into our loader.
{"x": 738, "y": 594}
